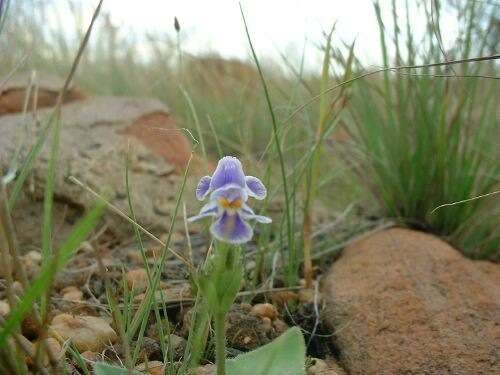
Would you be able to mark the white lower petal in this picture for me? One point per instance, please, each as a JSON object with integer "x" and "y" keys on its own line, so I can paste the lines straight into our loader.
{"x": 210, "y": 209}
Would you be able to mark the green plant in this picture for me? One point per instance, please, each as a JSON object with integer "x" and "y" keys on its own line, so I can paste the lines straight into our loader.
{"x": 328, "y": 116}
{"x": 228, "y": 190}
{"x": 428, "y": 137}
{"x": 11, "y": 358}
{"x": 4, "y": 7}
{"x": 102, "y": 368}
{"x": 219, "y": 283}
{"x": 285, "y": 355}
{"x": 293, "y": 264}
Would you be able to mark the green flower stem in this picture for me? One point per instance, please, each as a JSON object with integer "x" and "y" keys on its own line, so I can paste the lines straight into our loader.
{"x": 219, "y": 284}
{"x": 220, "y": 342}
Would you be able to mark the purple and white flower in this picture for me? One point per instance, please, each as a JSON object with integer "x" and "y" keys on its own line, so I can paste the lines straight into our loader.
{"x": 228, "y": 190}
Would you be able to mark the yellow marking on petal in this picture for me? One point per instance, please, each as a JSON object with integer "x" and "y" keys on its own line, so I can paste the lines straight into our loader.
{"x": 226, "y": 204}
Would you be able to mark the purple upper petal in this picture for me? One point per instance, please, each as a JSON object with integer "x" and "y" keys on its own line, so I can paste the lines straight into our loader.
{"x": 228, "y": 171}
{"x": 203, "y": 187}
{"x": 232, "y": 229}
{"x": 255, "y": 187}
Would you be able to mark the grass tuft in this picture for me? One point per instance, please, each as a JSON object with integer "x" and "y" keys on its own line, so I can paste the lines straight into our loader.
{"x": 432, "y": 142}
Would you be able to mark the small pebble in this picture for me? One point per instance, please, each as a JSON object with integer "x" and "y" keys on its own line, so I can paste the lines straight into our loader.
{"x": 72, "y": 293}
{"x": 35, "y": 256}
{"x": 85, "y": 332}
{"x": 178, "y": 345}
{"x": 264, "y": 310}
{"x": 55, "y": 348}
{"x": 31, "y": 262}
{"x": 4, "y": 308}
{"x": 17, "y": 288}
{"x": 319, "y": 367}
{"x": 151, "y": 368}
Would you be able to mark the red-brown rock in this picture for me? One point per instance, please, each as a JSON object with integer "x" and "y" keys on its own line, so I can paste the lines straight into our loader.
{"x": 405, "y": 302}
{"x": 13, "y": 94}
{"x": 97, "y": 135}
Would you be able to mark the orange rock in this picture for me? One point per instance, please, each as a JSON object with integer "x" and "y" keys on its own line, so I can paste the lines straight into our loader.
{"x": 13, "y": 94}
{"x": 406, "y": 302}
{"x": 159, "y": 133}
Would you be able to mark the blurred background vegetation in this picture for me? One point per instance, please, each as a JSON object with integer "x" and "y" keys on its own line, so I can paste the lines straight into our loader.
{"x": 394, "y": 144}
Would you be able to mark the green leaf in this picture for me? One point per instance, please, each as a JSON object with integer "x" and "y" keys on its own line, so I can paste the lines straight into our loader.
{"x": 284, "y": 356}
{"x": 102, "y": 368}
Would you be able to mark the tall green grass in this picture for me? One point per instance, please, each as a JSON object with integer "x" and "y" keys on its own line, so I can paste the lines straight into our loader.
{"x": 430, "y": 136}
{"x": 4, "y": 7}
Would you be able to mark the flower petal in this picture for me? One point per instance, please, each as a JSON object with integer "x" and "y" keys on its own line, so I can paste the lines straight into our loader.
{"x": 248, "y": 214}
{"x": 228, "y": 171}
{"x": 255, "y": 187}
{"x": 231, "y": 192}
{"x": 232, "y": 229}
{"x": 262, "y": 219}
{"x": 210, "y": 209}
{"x": 203, "y": 187}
